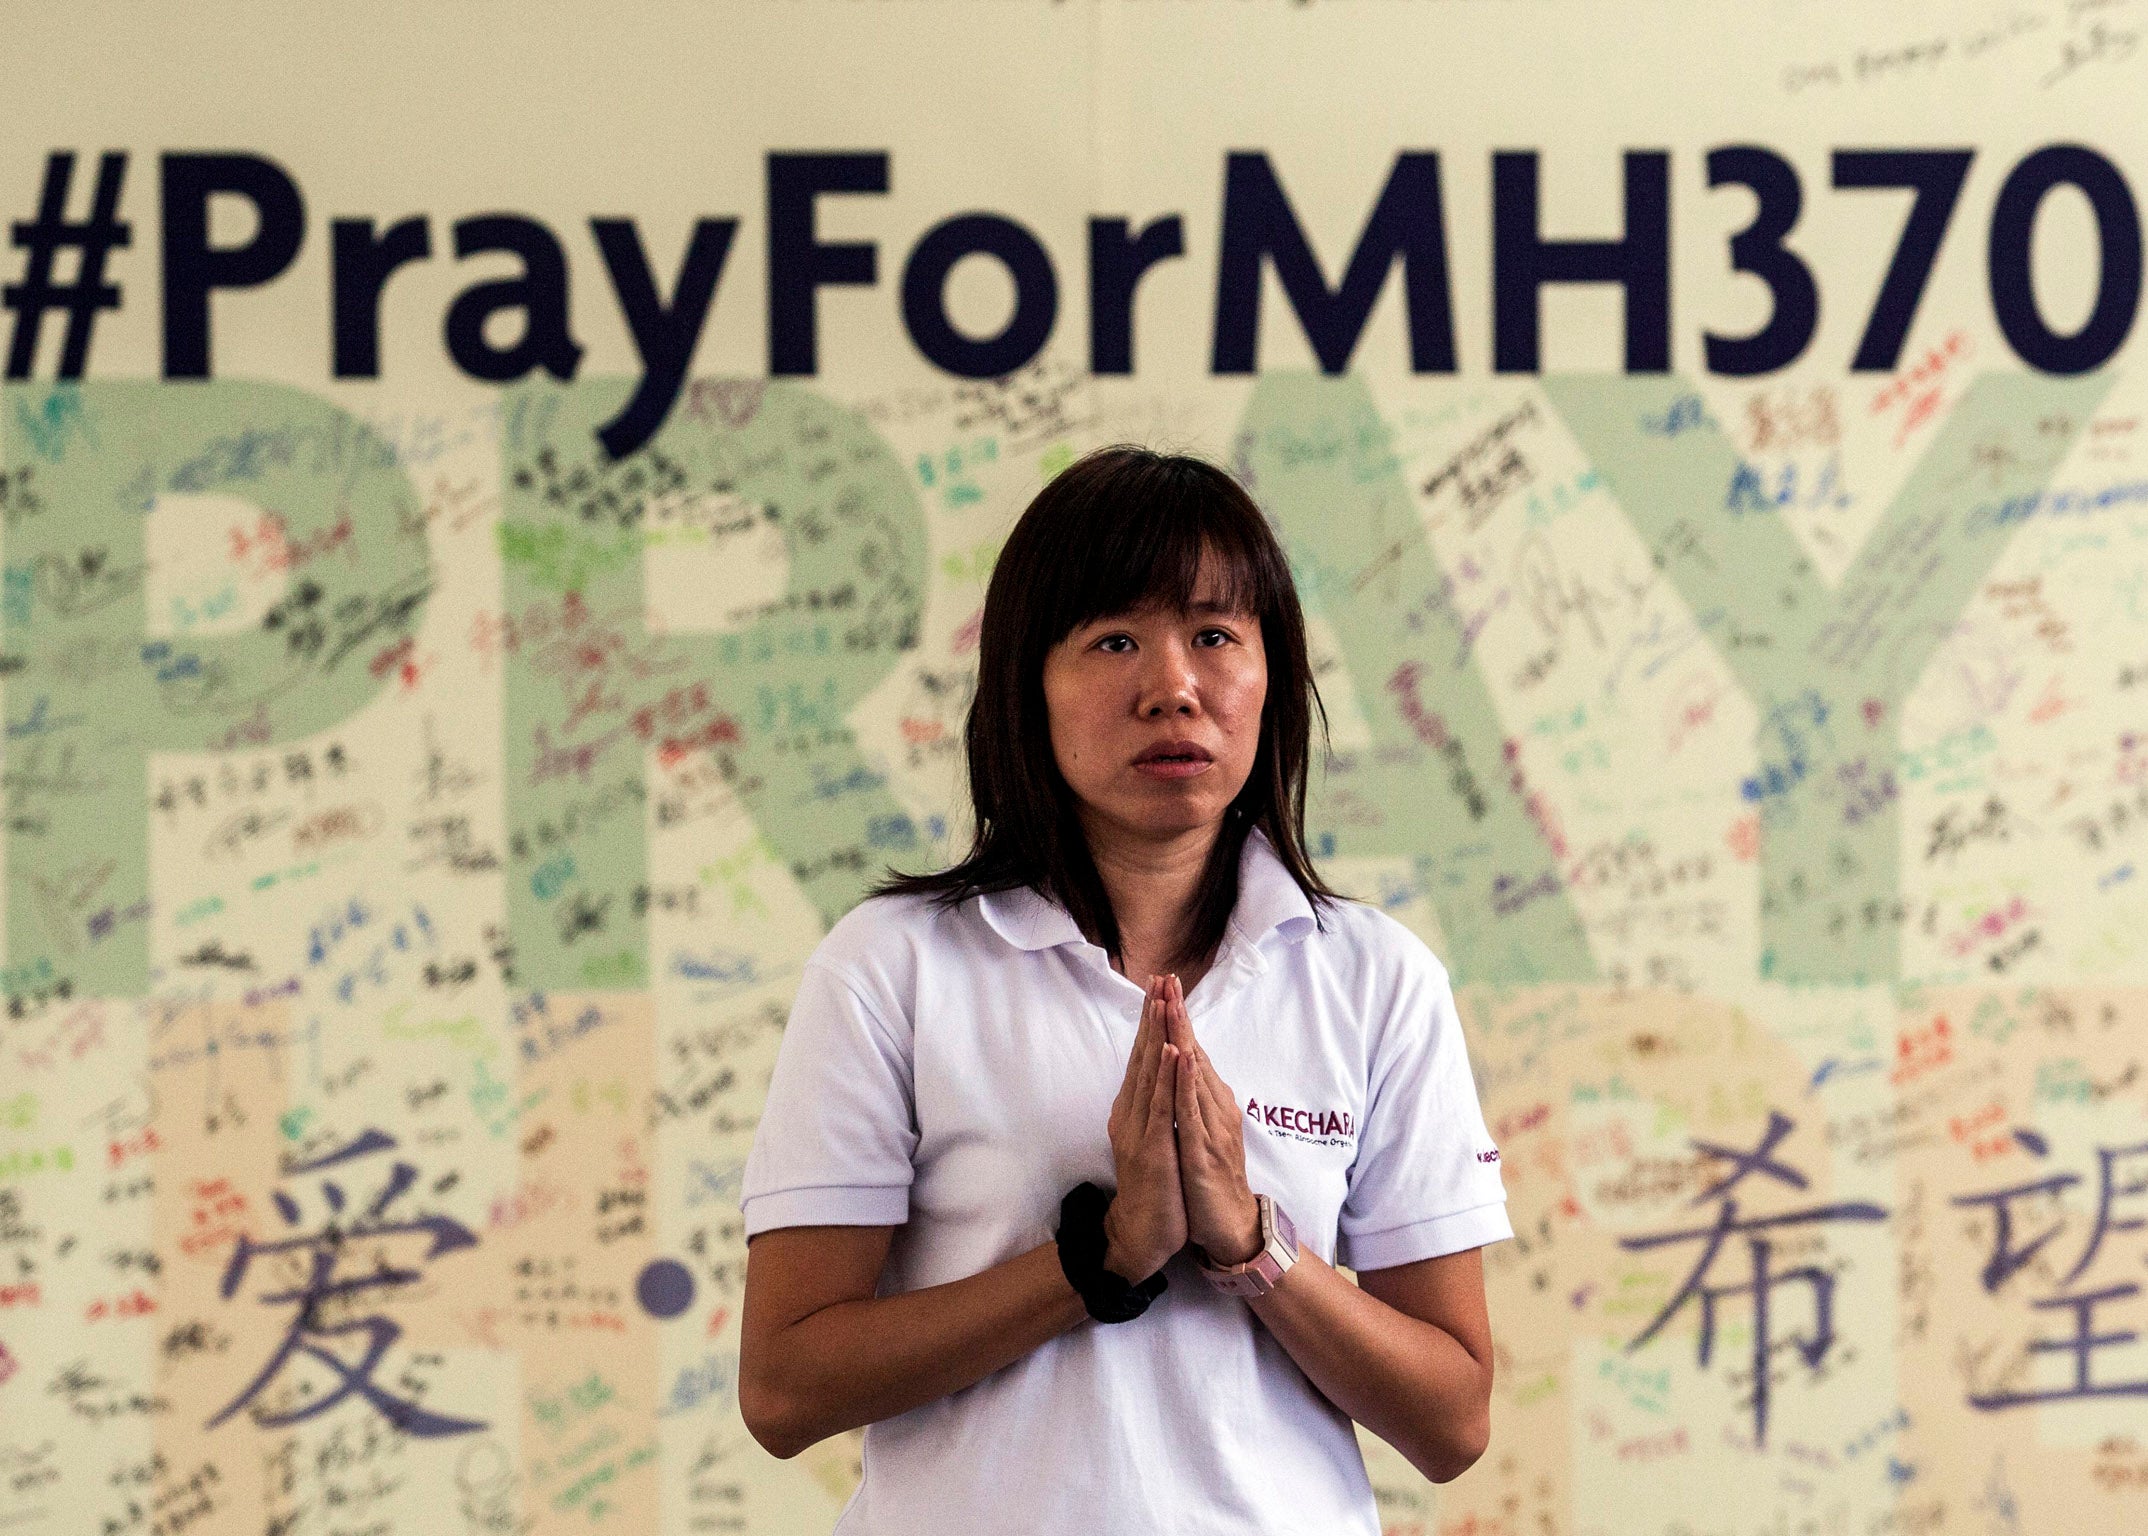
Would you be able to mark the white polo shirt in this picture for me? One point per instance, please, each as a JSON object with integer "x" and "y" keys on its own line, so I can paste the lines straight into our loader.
{"x": 950, "y": 1073}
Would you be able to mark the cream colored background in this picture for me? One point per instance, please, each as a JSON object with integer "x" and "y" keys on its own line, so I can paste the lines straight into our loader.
{"x": 1052, "y": 113}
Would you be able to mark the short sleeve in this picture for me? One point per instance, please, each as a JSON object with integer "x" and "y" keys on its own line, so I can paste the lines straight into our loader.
{"x": 1426, "y": 1179}
{"x": 839, "y": 1127}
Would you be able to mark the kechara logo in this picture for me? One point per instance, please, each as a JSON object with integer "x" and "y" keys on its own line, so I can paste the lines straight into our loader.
{"x": 1322, "y": 1127}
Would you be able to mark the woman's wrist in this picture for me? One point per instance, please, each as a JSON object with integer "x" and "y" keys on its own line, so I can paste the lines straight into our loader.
{"x": 1242, "y": 1248}
{"x": 1109, "y": 1295}
{"x": 1116, "y": 1258}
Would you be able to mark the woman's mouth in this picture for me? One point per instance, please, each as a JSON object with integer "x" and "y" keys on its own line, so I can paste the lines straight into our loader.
{"x": 1176, "y": 761}
{"x": 1173, "y": 767}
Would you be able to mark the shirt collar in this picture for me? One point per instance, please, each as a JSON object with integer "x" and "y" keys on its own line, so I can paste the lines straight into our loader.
{"x": 1269, "y": 900}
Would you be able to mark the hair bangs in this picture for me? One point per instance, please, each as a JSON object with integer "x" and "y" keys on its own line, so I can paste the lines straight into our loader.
{"x": 1145, "y": 542}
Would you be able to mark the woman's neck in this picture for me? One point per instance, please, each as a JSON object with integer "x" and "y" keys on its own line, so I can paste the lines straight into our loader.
{"x": 1152, "y": 885}
{"x": 1189, "y": 975}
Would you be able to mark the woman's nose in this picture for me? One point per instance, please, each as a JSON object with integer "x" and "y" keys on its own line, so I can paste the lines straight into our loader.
{"x": 1170, "y": 683}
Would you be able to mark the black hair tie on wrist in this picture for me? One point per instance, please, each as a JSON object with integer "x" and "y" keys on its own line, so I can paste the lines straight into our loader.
{"x": 1109, "y": 1297}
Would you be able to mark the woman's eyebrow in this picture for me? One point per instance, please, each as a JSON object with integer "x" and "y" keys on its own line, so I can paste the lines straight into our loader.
{"x": 1202, "y": 609}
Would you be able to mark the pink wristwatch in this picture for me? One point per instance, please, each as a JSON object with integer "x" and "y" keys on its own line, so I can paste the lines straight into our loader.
{"x": 1259, "y": 1274}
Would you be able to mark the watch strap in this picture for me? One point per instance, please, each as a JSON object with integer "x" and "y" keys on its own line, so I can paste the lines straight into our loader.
{"x": 1278, "y": 1251}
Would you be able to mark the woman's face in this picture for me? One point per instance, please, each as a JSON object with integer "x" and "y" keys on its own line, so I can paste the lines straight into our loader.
{"x": 1119, "y": 689}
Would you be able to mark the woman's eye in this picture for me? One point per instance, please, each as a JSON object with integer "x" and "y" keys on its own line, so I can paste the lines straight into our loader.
{"x": 1108, "y": 642}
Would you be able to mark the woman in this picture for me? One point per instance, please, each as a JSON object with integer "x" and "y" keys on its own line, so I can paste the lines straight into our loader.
{"x": 1062, "y": 1142}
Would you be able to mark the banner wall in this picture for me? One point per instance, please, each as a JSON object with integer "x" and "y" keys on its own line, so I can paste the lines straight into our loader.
{"x": 497, "y": 505}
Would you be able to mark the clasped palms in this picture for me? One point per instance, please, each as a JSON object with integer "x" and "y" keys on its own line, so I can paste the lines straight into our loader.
{"x": 1179, "y": 1148}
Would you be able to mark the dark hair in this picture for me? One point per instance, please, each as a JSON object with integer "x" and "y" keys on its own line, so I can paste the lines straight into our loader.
{"x": 1122, "y": 526}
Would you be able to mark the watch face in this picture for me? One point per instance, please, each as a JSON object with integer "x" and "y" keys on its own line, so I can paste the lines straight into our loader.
{"x": 1284, "y": 1230}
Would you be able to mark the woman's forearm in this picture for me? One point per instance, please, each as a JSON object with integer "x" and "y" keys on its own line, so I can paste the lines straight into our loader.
{"x": 857, "y": 1362}
{"x": 1408, "y": 1381}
